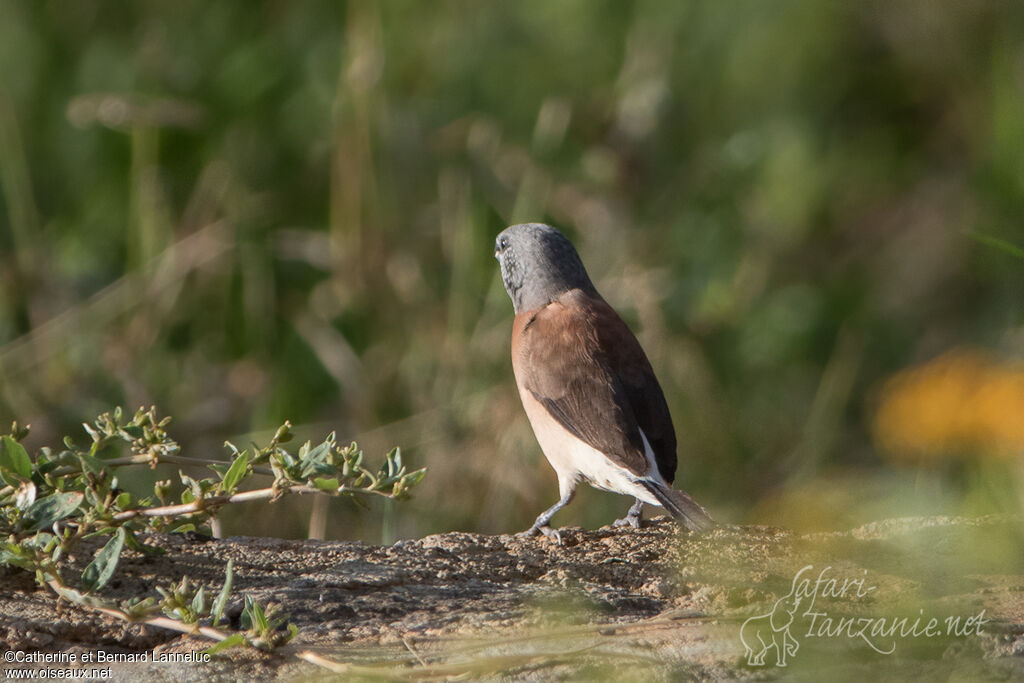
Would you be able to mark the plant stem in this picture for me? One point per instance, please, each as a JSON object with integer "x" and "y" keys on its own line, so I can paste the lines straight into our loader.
{"x": 217, "y": 501}
{"x": 98, "y": 605}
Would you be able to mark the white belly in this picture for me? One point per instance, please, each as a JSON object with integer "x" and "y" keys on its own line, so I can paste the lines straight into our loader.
{"x": 574, "y": 460}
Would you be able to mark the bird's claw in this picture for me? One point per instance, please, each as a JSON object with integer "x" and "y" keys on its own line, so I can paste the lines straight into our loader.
{"x": 545, "y": 530}
{"x": 628, "y": 520}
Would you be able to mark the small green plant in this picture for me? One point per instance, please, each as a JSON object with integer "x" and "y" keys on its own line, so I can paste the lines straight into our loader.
{"x": 49, "y": 505}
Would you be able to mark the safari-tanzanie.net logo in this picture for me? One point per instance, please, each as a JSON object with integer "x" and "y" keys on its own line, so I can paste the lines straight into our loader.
{"x": 775, "y": 636}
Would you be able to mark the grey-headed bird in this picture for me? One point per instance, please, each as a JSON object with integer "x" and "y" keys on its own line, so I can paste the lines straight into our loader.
{"x": 589, "y": 392}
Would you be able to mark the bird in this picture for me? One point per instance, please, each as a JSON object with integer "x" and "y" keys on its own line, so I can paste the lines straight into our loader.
{"x": 586, "y": 384}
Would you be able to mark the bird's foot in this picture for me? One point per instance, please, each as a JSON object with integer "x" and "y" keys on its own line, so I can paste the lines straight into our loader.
{"x": 629, "y": 520}
{"x": 542, "y": 529}
{"x": 632, "y": 518}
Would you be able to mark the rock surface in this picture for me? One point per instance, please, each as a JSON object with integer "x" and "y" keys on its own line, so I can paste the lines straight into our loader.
{"x": 650, "y": 604}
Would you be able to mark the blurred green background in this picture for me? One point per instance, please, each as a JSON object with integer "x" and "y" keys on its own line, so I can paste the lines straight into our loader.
{"x": 245, "y": 212}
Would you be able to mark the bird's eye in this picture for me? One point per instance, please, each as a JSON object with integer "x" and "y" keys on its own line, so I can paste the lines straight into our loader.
{"x": 502, "y": 244}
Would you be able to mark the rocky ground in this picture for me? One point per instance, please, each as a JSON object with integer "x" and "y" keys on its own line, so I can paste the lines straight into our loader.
{"x": 653, "y": 604}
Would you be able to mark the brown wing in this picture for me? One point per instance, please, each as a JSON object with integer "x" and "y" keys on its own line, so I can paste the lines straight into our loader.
{"x": 582, "y": 363}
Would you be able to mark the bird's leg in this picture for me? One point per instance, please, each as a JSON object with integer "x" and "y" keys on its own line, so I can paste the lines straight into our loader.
{"x": 632, "y": 517}
{"x": 541, "y": 525}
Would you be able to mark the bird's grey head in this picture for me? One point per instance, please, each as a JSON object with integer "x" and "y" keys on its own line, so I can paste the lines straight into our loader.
{"x": 538, "y": 264}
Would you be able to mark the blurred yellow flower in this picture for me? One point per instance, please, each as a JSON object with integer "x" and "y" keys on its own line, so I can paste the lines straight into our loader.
{"x": 962, "y": 403}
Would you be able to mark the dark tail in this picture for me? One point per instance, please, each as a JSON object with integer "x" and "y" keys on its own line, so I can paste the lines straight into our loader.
{"x": 680, "y": 505}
